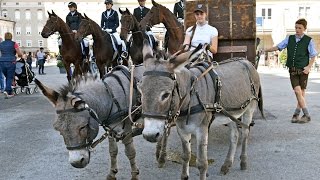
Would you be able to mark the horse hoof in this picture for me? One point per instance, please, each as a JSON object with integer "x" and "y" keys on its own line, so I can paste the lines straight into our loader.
{"x": 243, "y": 166}
{"x": 224, "y": 170}
{"x": 109, "y": 177}
{"x": 185, "y": 178}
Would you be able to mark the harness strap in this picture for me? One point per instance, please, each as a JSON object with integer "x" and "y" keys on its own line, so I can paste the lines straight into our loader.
{"x": 221, "y": 109}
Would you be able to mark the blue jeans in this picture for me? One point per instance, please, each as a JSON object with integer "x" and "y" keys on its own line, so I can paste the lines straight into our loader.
{"x": 8, "y": 69}
{"x": 1, "y": 81}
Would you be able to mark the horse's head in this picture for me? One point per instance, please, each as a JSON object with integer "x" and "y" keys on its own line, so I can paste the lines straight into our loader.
{"x": 127, "y": 23}
{"x": 51, "y": 26}
{"x": 75, "y": 122}
{"x": 154, "y": 16}
{"x": 85, "y": 28}
{"x": 160, "y": 92}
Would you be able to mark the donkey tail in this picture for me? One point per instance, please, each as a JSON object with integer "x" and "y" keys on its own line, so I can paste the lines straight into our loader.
{"x": 260, "y": 103}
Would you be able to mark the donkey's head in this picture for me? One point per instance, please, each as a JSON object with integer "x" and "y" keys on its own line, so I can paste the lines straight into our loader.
{"x": 85, "y": 28}
{"x": 52, "y": 25}
{"x": 75, "y": 122}
{"x": 160, "y": 92}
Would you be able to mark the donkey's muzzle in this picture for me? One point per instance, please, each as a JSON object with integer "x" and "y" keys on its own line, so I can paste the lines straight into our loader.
{"x": 152, "y": 137}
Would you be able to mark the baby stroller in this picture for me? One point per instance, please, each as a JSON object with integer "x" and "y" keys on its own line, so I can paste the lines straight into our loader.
{"x": 24, "y": 78}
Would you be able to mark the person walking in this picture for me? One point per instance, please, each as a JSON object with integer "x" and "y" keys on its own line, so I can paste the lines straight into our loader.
{"x": 9, "y": 49}
{"x": 29, "y": 60}
{"x": 41, "y": 58}
{"x": 301, "y": 56}
{"x": 201, "y": 32}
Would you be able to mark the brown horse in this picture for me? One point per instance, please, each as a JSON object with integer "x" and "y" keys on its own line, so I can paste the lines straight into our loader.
{"x": 102, "y": 46}
{"x": 71, "y": 50}
{"x": 160, "y": 14}
{"x": 130, "y": 23}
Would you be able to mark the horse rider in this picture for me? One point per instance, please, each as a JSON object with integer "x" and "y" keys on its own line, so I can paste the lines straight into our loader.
{"x": 139, "y": 13}
{"x": 73, "y": 20}
{"x": 110, "y": 23}
{"x": 178, "y": 10}
{"x": 201, "y": 32}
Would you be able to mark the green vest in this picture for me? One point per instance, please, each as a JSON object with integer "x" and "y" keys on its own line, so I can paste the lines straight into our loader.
{"x": 298, "y": 54}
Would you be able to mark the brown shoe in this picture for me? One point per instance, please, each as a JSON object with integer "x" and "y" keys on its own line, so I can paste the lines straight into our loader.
{"x": 295, "y": 118}
{"x": 304, "y": 119}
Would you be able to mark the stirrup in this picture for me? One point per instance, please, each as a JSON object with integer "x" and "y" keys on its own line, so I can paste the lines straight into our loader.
{"x": 124, "y": 54}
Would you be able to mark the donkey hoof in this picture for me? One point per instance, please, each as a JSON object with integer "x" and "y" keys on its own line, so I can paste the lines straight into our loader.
{"x": 243, "y": 165}
{"x": 109, "y": 177}
{"x": 224, "y": 169}
{"x": 134, "y": 178}
{"x": 184, "y": 178}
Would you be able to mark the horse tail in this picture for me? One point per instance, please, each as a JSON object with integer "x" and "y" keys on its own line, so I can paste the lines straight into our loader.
{"x": 260, "y": 103}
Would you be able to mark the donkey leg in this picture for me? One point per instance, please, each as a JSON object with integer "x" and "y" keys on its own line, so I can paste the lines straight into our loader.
{"x": 186, "y": 153}
{"x": 113, "y": 151}
{"x": 234, "y": 135}
{"x": 247, "y": 119}
{"x": 163, "y": 149}
{"x": 202, "y": 152}
{"x": 131, "y": 154}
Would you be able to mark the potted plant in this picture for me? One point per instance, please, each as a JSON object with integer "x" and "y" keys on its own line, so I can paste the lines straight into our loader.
{"x": 60, "y": 65}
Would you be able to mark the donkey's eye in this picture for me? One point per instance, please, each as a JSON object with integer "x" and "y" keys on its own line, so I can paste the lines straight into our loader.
{"x": 83, "y": 127}
{"x": 165, "y": 96}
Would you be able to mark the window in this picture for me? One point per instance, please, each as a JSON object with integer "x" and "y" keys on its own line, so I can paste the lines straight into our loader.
{"x": 29, "y": 43}
{"x": 39, "y": 3}
{"x": 4, "y": 3}
{"x": 17, "y": 3}
{"x": 28, "y": 14}
{"x": 304, "y": 12}
{"x": 40, "y": 14}
{"x": 40, "y": 29}
{"x": 266, "y": 13}
{"x": 18, "y": 42}
{"x": 40, "y": 43}
{"x": 28, "y": 30}
{"x": 17, "y": 14}
{"x": 18, "y": 31}
{"x": 4, "y": 13}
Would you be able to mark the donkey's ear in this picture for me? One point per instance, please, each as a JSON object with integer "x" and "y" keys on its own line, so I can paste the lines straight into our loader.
{"x": 51, "y": 94}
{"x": 147, "y": 51}
{"x": 179, "y": 59}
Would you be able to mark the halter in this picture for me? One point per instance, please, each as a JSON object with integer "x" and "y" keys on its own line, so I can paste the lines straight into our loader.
{"x": 92, "y": 113}
{"x": 88, "y": 26}
{"x": 159, "y": 12}
{"x": 55, "y": 22}
{"x": 172, "y": 113}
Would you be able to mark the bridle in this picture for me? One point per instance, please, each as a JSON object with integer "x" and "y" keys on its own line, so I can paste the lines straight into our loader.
{"x": 172, "y": 113}
{"x": 52, "y": 30}
{"x": 87, "y": 27}
{"x": 92, "y": 113}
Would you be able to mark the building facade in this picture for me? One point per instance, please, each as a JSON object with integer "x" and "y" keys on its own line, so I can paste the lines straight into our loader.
{"x": 276, "y": 20}
{"x": 31, "y": 15}
{"x": 6, "y": 25}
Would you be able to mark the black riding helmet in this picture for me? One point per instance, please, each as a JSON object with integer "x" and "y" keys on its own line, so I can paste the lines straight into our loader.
{"x": 108, "y": 2}
{"x": 72, "y": 4}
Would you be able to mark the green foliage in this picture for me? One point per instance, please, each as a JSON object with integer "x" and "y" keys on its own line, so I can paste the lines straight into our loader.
{"x": 283, "y": 56}
{"x": 60, "y": 64}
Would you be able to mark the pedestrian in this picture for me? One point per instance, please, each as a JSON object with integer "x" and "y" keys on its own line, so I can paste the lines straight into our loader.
{"x": 201, "y": 32}
{"x": 301, "y": 56}
{"x": 2, "y": 84}
{"x": 8, "y": 49}
{"x": 29, "y": 60}
{"x": 110, "y": 23}
{"x": 41, "y": 58}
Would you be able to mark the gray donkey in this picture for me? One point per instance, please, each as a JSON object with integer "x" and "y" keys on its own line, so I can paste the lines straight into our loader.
{"x": 82, "y": 106}
{"x": 188, "y": 97}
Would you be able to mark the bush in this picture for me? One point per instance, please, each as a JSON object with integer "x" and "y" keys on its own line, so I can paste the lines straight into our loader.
{"x": 60, "y": 64}
{"x": 283, "y": 57}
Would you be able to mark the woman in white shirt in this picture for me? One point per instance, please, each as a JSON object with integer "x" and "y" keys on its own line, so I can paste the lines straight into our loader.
{"x": 203, "y": 32}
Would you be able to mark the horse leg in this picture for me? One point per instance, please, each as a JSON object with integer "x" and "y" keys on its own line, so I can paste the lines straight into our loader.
{"x": 186, "y": 153}
{"x": 131, "y": 155}
{"x": 202, "y": 151}
{"x": 113, "y": 151}
{"x": 67, "y": 66}
{"x": 246, "y": 118}
{"x": 161, "y": 152}
{"x": 234, "y": 135}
